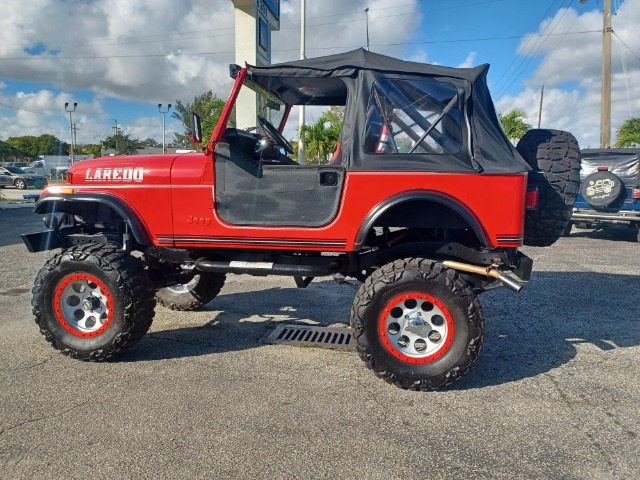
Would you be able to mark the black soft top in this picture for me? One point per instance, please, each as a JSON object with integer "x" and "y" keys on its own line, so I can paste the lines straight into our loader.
{"x": 347, "y": 79}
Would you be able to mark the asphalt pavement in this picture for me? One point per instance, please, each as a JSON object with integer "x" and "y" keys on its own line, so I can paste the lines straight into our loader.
{"x": 554, "y": 393}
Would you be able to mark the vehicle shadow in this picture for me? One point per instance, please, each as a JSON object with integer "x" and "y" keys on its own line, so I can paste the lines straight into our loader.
{"x": 238, "y": 321}
{"x": 607, "y": 232}
{"x": 527, "y": 334}
{"x": 539, "y": 330}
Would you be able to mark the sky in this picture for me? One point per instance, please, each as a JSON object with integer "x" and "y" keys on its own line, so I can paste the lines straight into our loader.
{"x": 118, "y": 59}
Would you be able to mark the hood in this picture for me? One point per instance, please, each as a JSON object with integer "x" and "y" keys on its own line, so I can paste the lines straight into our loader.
{"x": 124, "y": 169}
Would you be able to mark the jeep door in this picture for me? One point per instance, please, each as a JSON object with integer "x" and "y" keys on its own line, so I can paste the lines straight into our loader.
{"x": 250, "y": 192}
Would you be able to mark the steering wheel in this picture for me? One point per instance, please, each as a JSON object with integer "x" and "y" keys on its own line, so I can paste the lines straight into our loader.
{"x": 274, "y": 135}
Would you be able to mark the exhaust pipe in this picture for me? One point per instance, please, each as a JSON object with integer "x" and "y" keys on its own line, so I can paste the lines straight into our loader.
{"x": 514, "y": 284}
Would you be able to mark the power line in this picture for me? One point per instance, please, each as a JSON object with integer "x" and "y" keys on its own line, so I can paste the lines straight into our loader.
{"x": 526, "y": 45}
{"x": 537, "y": 47}
{"x": 333, "y": 47}
{"x": 627, "y": 46}
{"x": 25, "y": 110}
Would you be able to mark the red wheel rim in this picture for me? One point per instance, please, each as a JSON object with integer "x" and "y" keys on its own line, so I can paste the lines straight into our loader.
{"x": 416, "y": 328}
{"x": 83, "y": 305}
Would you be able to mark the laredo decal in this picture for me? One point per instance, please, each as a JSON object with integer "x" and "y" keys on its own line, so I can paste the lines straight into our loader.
{"x": 117, "y": 174}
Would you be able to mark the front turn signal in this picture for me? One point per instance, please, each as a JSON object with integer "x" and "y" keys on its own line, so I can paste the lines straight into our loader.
{"x": 59, "y": 189}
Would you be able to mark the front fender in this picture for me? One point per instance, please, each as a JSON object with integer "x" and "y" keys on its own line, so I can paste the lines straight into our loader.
{"x": 69, "y": 203}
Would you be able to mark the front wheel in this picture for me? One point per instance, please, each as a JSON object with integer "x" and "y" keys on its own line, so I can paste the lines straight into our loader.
{"x": 417, "y": 324}
{"x": 20, "y": 184}
{"x": 93, "y": 301}
{"x": 195, "y": 293}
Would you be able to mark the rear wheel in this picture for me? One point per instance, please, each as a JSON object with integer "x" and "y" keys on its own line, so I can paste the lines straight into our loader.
{"x": 93, "y": 301}
{"x": 198, "y": 291}
{"x": 417, "y": 324}
{"x": 554, "y": 157}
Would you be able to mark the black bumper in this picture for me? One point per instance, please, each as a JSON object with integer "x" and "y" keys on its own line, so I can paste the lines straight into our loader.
{"x": 41, "y": 241}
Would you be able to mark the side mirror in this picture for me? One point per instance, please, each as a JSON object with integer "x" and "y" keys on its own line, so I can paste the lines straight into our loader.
{"x": 196, "y": 128}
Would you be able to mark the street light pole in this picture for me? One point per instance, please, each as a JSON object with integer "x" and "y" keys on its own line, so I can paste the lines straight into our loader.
{"x": 70, "y": 110}
{"x": 366, "y": 17}
{"x": 164, "y": 150}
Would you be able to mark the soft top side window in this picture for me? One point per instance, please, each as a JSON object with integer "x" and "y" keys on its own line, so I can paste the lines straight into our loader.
{"x": 419, "y": 116}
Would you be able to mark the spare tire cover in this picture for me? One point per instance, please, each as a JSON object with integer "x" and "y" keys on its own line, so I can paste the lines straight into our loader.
{"x": 601, "y": 189}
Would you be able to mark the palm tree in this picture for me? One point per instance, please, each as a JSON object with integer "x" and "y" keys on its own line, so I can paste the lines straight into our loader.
{"x": 514, "y": 125}
{"x": 320, "y": 140}
{"x": 629, "y": 133}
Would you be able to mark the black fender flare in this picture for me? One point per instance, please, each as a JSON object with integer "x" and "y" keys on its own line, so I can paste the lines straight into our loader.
{"x": 55, "y": 203}
{"x": 420, "y": 195}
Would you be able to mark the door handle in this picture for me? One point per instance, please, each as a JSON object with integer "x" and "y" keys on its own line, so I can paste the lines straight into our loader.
{"x": 328, "y": 179}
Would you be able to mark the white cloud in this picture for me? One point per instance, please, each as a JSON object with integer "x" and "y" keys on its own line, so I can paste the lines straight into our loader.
{"x": 135, "y": 51}
{"x": 469, "y": 61}
{"x": 576, "y": 60}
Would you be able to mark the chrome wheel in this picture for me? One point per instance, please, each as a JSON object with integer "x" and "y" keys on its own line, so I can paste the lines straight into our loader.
{"x": 416, "y": 327}
{"x": 83, "y": 305}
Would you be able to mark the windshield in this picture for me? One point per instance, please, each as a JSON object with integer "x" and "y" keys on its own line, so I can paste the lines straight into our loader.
{"x": 17, "y": 170}
{"x": 269, "y": 106}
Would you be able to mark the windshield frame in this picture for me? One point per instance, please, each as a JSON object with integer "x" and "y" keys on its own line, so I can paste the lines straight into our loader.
{"x": 241, "y": 81}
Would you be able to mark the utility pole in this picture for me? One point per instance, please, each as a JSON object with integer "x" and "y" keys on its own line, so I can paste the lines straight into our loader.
{"x": 164, "y": 150}
{"x": 605, "y": 104}
{"x": 116, "y": 130}
{"x": 366, "y": 17}
{"x": 303, "y": 8}
{"x": 71, "y": 110}
{"x": 75, "y": 134}
{"x": 540, "y": 110}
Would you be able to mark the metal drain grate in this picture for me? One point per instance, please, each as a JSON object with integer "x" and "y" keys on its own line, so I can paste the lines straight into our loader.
{"x": 312, "y": 336}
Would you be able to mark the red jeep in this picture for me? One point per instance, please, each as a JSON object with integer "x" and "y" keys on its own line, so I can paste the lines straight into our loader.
{"x": 427, "y": 205}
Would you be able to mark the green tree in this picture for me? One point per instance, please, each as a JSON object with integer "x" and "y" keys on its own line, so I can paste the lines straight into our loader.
{"x": 31, "y": 146}
{"x": 335, "y": 114}
{"x": 629, "y": 133}
{"x": 514, "y": 124}
{"x": 123, "y": 144}
{"x": 320, "y": 140}
{"x": 50, "y": 145}
{"x": 28, "y": 145}
{"x": 208, "y": 106}
{"x": 151, "y": 142}
{"x": 89, "y": 149}
{"x": 9, "y": 152}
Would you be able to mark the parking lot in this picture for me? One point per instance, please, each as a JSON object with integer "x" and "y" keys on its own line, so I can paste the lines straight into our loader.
{"x": 554, "y": 393}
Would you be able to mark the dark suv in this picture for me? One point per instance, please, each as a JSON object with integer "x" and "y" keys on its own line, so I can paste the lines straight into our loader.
{"x": 610, "y": 189}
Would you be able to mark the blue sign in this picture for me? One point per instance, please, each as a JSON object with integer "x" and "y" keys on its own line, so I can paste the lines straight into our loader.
{"x": 274, "y": 6}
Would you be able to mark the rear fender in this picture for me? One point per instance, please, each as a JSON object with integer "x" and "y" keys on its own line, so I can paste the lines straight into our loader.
{"x": 420, "y": 196}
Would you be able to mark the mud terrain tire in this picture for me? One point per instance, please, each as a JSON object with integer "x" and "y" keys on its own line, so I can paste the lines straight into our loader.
{"x": 415, "y": 299}
{"x": 190, "y": 296}
{"x": 554, "y": 156}
{"x": 93, "y": 301}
